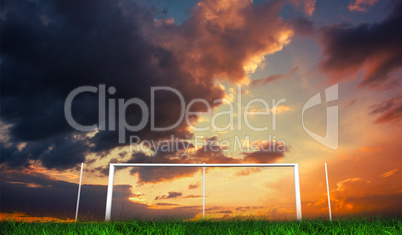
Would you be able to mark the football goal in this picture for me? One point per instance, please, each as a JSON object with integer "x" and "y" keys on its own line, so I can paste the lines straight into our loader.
{"x": 203, "y": 191}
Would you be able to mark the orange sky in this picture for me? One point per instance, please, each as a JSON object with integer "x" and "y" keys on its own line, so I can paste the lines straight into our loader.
{"x": 241, "y": 58}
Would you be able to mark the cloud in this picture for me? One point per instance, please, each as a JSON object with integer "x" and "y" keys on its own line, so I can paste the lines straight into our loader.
{"x": 158, "y": 174}
{"x": 224, "y": 212}
{"x": 60, "y": 152}
{"x": 170, "y": 195}
{"x": 166, "y": 204}
{"x": 357, "y": 194}
{"x": 302, "y": 26}
{"x": 211, "y": 152}
{"x": 263, "y": 157}
{"x": 360, "y": 188}
{"x": 192, "y": 196}
{"x": 361, "y": 5}
{"x": 137, "y": 195}
{"x": 173, "y": 195}
{"x": 390, "y": 110}
{"x": 280, "y": 109}
{"x": 218, "y": 42}
{"x": 309, "y": 7}
{"x": 389, "y": 173}
{"x": 247, "y": 171}
{"x": 76, "y": 49}
{"x": 244, "y": 208}
{"x": 24, "y": 218}
{"x": 51, "y": 48}
{"x": 374, "y": 49}
{"x": 268, "y": 152}
{"x": 272, "y": 78}
{"x": 174, "y": 153}
{"x": 194, "y": 186}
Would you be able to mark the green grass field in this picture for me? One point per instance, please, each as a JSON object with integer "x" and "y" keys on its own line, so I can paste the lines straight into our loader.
{"x": 360, "y": 226}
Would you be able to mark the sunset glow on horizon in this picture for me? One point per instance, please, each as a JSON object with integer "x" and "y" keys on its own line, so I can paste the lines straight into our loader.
{"x": 200, "y": 81}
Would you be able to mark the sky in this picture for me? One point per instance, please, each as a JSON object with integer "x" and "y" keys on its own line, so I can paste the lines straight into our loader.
{"x": 185, "y": 81}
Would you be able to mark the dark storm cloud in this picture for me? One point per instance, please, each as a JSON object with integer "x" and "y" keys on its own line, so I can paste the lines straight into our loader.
{"x": 50, "y": 48}
{"x": 375, "y": 48}
{"x": 60, "y": 152}
{"x": 12, "y": 155}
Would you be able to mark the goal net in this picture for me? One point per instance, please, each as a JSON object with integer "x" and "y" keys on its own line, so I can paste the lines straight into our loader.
{"x": 196, "y": 191}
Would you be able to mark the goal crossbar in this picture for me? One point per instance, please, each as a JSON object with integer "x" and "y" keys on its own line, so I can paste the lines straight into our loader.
{"x": 113, "y": 165}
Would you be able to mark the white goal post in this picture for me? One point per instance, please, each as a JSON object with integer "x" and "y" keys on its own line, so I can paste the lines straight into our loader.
{"x": 113, "y": 165}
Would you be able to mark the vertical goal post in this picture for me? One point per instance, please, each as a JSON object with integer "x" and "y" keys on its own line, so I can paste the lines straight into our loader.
{"x": 203, "y": 166}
